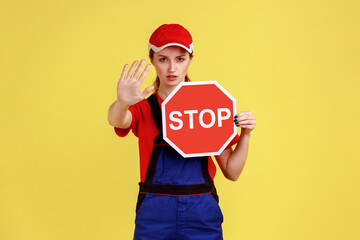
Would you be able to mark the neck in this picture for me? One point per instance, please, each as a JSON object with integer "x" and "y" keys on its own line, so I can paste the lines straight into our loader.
{"x": 164, "y": 92}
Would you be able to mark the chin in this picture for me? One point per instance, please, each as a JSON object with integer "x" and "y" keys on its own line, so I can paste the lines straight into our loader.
{"x": 172, "y": 83}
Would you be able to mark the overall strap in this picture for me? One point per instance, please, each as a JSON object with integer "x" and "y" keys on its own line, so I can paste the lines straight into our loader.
{"x": 158, "y": 141}
{"x": 156, "y": 111}
{"x": 205, "y": 170}
{"x": 157, "y": 115}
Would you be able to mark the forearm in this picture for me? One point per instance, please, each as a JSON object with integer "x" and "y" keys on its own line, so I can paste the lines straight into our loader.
{"x": 119, "y": 115}
{"x": 237, "y": 158}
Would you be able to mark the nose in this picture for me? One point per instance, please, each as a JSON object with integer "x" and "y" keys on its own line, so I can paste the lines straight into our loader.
{"x": 172, "y": 66}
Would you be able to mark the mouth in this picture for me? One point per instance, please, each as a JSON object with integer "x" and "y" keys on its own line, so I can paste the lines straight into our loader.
{"x": 172, "y": 77}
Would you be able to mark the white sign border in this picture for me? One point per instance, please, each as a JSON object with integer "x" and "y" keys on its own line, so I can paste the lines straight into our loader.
{"x": 164, "y": 118}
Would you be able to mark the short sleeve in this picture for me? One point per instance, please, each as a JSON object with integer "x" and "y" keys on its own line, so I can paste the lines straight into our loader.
{"x": 121, "y": 132}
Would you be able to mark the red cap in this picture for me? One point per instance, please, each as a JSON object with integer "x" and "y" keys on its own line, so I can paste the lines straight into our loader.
{"x": 171, "y": 35}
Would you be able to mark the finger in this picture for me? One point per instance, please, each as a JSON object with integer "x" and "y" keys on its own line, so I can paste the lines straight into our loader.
{"x": 147, "y": 91}
{"x": 239, "y": 115}
{"x": 246, "y": 117}
{"x": 123, "y": 73}
{"x": 245, "y": 123}
{"x": 138, "y": 69}
{"x": 245, "y": 113}
{"x": 144, "y": 73}
{"x": 131, "y": 69}
{"x": 253, "y": 121}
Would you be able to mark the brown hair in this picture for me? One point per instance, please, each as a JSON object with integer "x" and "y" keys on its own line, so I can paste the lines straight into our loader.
{"x": 157, "y": 80}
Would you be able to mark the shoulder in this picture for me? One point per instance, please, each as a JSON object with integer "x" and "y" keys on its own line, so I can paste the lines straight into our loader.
{"x": 140, "y": 106}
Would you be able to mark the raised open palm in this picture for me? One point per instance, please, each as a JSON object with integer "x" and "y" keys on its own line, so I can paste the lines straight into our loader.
{"x": 128, "y": 87}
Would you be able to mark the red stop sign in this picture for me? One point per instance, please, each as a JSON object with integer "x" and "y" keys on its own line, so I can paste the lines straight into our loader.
{"x": 198, "y": 118}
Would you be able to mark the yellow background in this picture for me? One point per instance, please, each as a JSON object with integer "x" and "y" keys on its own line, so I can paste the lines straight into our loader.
{"x": 65, "y": 175}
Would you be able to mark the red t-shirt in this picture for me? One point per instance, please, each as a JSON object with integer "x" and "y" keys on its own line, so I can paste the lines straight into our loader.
{"x": 143, "y": 126}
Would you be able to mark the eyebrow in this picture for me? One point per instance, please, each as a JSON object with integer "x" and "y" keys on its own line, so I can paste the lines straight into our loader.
{"x": 176, "y": 56}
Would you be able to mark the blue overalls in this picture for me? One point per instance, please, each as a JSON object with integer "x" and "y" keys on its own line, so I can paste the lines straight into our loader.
{"x": 178, "y": 199}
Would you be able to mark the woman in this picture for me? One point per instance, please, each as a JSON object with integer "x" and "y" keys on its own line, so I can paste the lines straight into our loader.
{"x": 177, "y": 197}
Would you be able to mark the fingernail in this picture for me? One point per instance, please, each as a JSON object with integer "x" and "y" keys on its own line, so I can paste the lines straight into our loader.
{"x": 235, "y": 116}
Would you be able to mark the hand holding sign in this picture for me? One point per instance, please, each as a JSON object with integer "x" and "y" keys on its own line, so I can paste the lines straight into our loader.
{"x": 128, "y": 88}
{"x": 246, "y": 121}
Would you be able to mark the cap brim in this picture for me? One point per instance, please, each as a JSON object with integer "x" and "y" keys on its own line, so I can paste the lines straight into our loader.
{"x": 157, "y": 49}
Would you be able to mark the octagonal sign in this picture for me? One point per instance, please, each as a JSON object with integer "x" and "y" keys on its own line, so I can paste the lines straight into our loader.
{"x": 198, "y": 118}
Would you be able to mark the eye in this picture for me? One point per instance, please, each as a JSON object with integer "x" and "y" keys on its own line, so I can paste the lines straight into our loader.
{"x": 180, "y": 59}
{"x": 162, "y": 59}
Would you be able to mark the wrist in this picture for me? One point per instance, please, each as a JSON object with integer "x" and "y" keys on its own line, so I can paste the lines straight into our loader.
{"x": 245, "y": 133}
{"x": 122, "y": 105}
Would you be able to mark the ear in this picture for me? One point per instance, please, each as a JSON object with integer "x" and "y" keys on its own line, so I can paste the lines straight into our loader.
{"x": 191, "y": 58}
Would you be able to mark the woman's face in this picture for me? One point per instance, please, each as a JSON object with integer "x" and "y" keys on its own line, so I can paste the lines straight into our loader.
{"x": 171, "y": 65}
